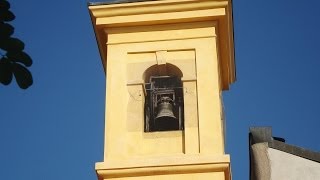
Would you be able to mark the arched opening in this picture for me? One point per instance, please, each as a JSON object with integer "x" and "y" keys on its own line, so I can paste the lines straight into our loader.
{"x": 162, "y": 70}
{"x": 164, "y": 103}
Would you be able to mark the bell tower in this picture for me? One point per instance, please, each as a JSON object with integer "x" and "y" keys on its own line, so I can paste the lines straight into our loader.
{"x": 167, "y": 63}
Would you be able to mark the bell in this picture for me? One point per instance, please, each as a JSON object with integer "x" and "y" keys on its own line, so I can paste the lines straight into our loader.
{"x": 165, "y": 109}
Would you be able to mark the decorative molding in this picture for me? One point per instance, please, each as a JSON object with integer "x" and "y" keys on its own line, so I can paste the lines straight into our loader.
{"x": 165, "y": 170}
{"x": 178, "y": 164}
{"x": 152, "y": 7}
{"x": 123, "y": 16}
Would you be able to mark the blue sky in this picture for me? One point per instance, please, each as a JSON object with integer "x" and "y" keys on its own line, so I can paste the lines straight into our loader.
{"x": 54, "y": 129}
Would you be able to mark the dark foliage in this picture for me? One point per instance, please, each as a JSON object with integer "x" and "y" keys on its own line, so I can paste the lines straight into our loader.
{"x": 13, "y": 60}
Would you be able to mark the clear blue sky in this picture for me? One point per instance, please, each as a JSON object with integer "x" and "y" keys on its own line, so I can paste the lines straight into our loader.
{"x": 54, "y": 129}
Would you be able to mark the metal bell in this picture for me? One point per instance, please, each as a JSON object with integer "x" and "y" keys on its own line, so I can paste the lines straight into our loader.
{"x": 165, "y": 108}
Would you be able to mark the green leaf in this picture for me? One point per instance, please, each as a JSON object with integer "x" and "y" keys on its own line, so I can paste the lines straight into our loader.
{"x": 5, "y": 71}
{"x": 21, "y": 57}
{"x": 6, "y": 15}
{"x": 12, "y": 44}
{"x": 4, "y": 5}
{"x": 6, "y": 30}
{"x": 22, "y": 75}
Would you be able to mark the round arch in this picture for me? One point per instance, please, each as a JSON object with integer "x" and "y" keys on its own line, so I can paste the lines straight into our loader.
{"x": 162, "y": 70}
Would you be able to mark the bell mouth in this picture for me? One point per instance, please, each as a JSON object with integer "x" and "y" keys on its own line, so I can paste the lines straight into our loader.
{"x": 163, "y": 116}
{"x": 165, "y": 110}
{"x": 165, "y": 123}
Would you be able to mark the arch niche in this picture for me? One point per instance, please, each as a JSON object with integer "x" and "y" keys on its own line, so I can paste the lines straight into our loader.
{"x": 164, "y": 103}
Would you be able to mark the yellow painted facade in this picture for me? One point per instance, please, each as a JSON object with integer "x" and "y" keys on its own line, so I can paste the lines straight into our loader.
{"x": 192, "y": 39}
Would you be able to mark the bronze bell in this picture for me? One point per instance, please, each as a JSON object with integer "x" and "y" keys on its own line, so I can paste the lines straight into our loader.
{"x": 165, "y": 108}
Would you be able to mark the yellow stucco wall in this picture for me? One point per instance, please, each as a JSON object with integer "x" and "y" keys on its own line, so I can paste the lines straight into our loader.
{"x": 131, "y": 44}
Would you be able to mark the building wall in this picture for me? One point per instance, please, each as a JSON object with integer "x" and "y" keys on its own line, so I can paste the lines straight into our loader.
{"x": 288, "y": 166}
{"x": 192, "y": 48}
{"x": 189, "y": 38}
{"x": 273, "y": 159}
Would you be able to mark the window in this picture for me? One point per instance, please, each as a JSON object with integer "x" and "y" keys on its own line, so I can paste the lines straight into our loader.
{"x": 164, "y": 104}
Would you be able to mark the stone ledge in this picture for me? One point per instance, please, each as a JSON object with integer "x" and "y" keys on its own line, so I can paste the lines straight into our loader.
{"x": 176, "y": 160}
{"x": 180, "y": 164}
